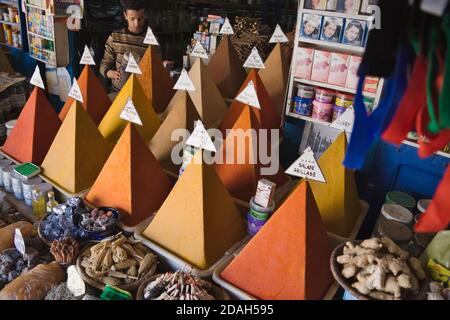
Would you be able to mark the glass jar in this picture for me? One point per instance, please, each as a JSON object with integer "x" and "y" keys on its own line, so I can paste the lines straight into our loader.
{"x": 396, "y": 231}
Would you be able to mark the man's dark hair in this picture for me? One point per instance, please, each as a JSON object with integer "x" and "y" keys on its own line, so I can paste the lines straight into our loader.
{"x": 133, "y": 5}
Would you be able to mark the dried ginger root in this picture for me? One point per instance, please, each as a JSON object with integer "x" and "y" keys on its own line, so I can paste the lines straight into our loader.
{"x": 392, "y": 286}
{"x": 351, "y": 249}
{"x": 415, "y": 264}
{"x": 393, "y": 248}
{"x": 373, "y": 243}
{"x": 361, "y": 285}
{"x": 404, "y": 281}
{"x": 348, "y": 271}
{"x": 344, "y": 259}
{"x": 363, "y": 260}
{"x": 377, "y": 279}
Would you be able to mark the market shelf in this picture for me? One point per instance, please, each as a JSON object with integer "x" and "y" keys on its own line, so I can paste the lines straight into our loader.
{"x": 332, "y": 45}
{"x": 14, "y": 24}
{"x": 20, "y": 206}
{"x": 338, "y": 14}
{"x": 41, "y": 60}
{"x": 323, "y": 123}
{"x": 332, "y": 87}
{"x": 41, "y": 36}
{"x": 416, "y": 145}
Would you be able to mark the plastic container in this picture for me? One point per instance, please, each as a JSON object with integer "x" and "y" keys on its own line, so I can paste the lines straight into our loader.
{"x": 6, "y": 175}
{"x": 27, "y": 188}
{"x": 305, "y": 91}
{"x": 338, "y": 112}
{"x": 344, "y": 100}
{"x": 258, "y": 216}
{"x": 402, "y": 199}
{"x": 322, "y": 111}
{"x": 16, "y": 181}
{"x": 303, "y": 106}
{"x": 324, "y": 96}
{"x": 10, "y": 126}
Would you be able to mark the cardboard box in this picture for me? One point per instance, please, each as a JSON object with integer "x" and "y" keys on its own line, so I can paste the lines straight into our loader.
{"x": 338, "y": 69}
{"x": 352, "y": 76}
{"x": 321, "y": 66}
{"x": 305, "y": 58}
{"x": 265, "y": 193}
{"x": 371, "y": 84}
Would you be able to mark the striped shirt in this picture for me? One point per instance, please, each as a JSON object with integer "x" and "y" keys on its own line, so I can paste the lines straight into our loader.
{"x": 118, "y": 45}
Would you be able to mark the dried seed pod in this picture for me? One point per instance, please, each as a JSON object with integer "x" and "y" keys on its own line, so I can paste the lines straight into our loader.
{"x": 132, "y": 271}
{"x": 129, "y": 249}
{"x": 147, "y": 263}
{"x": 119, "y": 242}
{"x": 117, "y": 274}
{"x": 125, "y": 264}
{"x": 107, "y": 260}
{"x": 119, "y": 255}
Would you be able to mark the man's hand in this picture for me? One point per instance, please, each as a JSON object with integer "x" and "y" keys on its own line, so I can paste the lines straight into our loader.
{"x": 114, "y": 75}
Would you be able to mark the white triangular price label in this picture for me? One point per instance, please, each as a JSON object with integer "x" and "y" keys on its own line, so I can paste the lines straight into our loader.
{"x": 227, "y": 28}
{"x": 184, "y": 82}
{"x": 87, "y": 57}
{"x": 200, "y": 138}
{"x": 36, "y": 79}
{"x": 132, "y": 66}
{"x": 249, "y": 96}
{"x": 199, "y": 51}
{"x": 150, "y": 38}
{"x": 130, "y": 113}
{"x": 278, "y": 35}
{"x": 75, "y": 91}
{"x": 75, "y": 283}
{"x": 306, "y": 167}
{"x": 345, "y": 121}
{"x": 254, "y": 60}
{"x": 19, "y": 242}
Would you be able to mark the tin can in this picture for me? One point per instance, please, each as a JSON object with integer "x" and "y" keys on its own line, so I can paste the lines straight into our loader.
{"x": 402, "y": 199}
{"x": 338, "y": 112}
{"x": 258, "y": 216}
{"x": 16, "y": 181}
{"x": 324, "y": 96}
{"x": 344, "y": 100}
{"x": 27, "y": 188}
{"x": 3, "y": 163}
{"x": 322, "y": 111}
{"x": 7, "y": 183}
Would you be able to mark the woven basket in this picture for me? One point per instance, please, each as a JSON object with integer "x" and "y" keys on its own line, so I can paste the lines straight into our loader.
{"x": 219, "y": 293}
{"x": 130, "y": 287}
{"x": 336, "y": 269}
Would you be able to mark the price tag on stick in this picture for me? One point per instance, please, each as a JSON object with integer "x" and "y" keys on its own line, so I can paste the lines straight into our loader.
{"x": 200, "y": 138}
{"x": 278, "y": 36}
{"x": 36, "y": 79}
{"x": 184, "y": 82}
{"x": 306, "y": 167}
{"x": 130, "y": 113}
{"x": 254, "y": 60}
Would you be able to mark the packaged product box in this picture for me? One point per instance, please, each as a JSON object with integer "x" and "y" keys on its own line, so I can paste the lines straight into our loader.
{"x": 321, "y": 66}
{"x": 352, "y": 76}
{"x": 305, "y": 58}
{"x": 371, "y": 84}
{"x": 338, "y": 68}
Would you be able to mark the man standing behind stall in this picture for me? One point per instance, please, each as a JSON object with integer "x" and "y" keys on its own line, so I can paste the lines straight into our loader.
{"x": 122, "y": 42}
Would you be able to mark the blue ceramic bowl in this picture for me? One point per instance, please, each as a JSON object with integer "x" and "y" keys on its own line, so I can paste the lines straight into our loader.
{"x": 102, "y": 234}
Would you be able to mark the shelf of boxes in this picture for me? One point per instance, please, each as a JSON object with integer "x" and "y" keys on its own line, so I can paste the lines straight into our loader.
{"x": 11, "y": 23}
{"x": 333, "y": 87}
{"x": 54, "y": 53}
{"x": 317, "y": 44}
